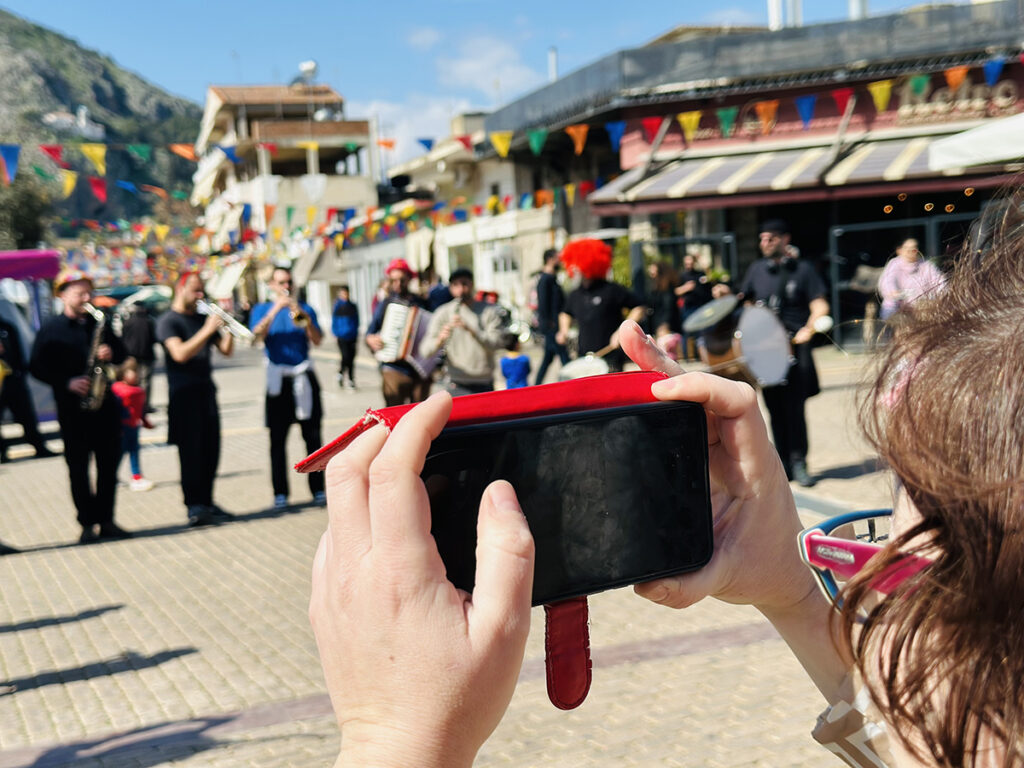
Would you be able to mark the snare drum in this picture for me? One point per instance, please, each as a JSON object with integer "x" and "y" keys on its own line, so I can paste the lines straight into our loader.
{"x": 751, "y": 346}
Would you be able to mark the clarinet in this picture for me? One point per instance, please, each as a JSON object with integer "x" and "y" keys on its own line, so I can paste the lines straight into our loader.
{"x": 99, "y": 379}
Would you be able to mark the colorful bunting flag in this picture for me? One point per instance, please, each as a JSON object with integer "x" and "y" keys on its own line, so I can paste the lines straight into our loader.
{"x": 387, "y": 144}
{"x": 161, "y": 231}
{"x": 127, "y": 186}
{"x": 314, "y": 146}
{"x": 158, "y": 191}
{"x": 186, "y": 151}
{"x": 310, "y": 215}
{"x": 766, "y": 111}
{"x": 230, "y": 152}
{"x": 97, "y": 155}
{"x": 727, "y": 120}
{"x": 42, "y": 173}
{"x": 179, "y": 195}
{"x": 268, "y": 213}
{"x": 650, "y": 126}
{"x": 955, "y": 77}
{"x": 99, "y": 188}
{"x": 502, "y": 142}
{"x": 55, "y": 152}
{"x": 536, "y": 139}
{"x": 142, "y": 151}
{"x": 993, "y": 69}
{"x": 428, "y": 144}
{"x": 467, "y": 141}
{"x": 578, "y": 134}
{"x": 615, "y": 129}
{"x": 269, "y": 146}
{"x": 9, "y": 153}
{"x": 842, "y": 97}
{"x": 570, "y": 194}
{"x": 805, "y": 108}
{"x": 689, "y": 122}
{"x": 881, "y": 92}
{"x": 69, "y": 179}
{"x": 919, "y": 84}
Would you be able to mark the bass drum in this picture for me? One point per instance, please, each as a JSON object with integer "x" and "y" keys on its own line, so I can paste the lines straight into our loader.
{"x": 581, "y": 367}
{"x": 751, "y": 346}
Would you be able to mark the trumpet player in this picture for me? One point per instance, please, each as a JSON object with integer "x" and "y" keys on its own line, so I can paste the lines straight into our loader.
{"x": 193, "y": 419}
{"x": 287, "y": 328}
{"x": 65, "y": 355}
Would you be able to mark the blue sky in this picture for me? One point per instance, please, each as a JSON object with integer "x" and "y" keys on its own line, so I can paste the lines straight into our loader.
{"x": 413, "y": 65}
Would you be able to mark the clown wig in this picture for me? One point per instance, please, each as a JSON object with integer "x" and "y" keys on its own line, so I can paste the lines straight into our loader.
{"x": 591, "y": 258}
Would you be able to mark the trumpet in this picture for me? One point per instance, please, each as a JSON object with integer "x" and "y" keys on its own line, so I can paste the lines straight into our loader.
{"x": 299, "y": 317}
{"x": 232, "y": 326}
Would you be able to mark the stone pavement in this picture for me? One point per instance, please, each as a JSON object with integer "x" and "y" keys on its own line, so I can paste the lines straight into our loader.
{"x": 192, "y": 648}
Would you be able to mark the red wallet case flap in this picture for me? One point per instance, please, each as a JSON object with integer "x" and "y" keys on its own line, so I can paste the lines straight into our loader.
{"x": 567, "y": 652}
{"x": 590, "y": 393}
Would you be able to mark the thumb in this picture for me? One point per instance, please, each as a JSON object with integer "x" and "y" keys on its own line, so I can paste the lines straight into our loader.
{"x": 504, "y": 566}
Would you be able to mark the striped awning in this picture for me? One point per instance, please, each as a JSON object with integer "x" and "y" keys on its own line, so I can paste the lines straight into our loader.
{"x": 772, "y": 171}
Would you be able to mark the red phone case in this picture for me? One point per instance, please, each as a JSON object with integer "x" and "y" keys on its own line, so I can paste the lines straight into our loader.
{"x": 566, "y": 636}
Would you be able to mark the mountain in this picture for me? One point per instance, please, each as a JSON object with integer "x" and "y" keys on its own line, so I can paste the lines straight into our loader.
{"x": 55, "y": 91}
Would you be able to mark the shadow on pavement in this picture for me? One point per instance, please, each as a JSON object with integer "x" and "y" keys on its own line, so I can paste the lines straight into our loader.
{"x": 126, "y": 662}
{"x": 51, "y": 621}
{"x": 850, "y": 471}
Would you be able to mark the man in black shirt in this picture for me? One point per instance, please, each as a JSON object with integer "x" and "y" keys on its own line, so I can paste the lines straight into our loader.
{"x": 550, "y": 301}
{"x": 61, "y": 358}
{"x": 792, "y": 289}
{"x": 193, "y": 421}
{"x": 14, "y": 392}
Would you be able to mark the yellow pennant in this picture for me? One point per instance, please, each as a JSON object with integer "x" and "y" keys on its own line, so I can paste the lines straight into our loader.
{"x": 69, "y": 179}
{"x": 97, "y": 155}
{"x": 161, "y": 231}
{"x": 374, "y": 229}
{"x": 308, "y": 145}
{"x": 689, "y": 121}
{"x": 277, "y": 233}
{"x": 502, "y": 141}
{"x": 881, "y": 91}
{"x": 310, "y": 215}
{"x": 145, "y": 231}
{"x": 570, "y": 194}
{"x": 339, "y": 241}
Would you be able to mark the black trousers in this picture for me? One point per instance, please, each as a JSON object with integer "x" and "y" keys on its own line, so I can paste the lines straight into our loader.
{"x": 193, "y": 424}
{"x": 92, "y": 435}
{"x": 786, "y": 406}
{"x": 347, "y": 347}
{"x": 551, "y": 348}
{"x": 15, "y": 397}
{"x": 280, "y": 416}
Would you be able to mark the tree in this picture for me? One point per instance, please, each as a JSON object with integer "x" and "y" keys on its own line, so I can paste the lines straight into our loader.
{"x": 23, "y": 206}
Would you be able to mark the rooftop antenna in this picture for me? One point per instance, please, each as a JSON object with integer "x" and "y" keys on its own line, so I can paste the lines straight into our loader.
{"x": 307, "y": 73}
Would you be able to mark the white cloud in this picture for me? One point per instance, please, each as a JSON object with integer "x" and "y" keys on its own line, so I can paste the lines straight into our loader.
{"x": 421, "y": 117}
{"x": 423, "y": 38}
{"x": 490, "y": 66}
{"x": 734, "y": 17}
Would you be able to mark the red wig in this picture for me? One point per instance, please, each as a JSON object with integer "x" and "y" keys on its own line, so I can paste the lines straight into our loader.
{"x": 591, "y": 258}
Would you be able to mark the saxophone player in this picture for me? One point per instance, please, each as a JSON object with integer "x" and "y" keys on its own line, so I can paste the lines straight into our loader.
{"x": 65, "y": 354}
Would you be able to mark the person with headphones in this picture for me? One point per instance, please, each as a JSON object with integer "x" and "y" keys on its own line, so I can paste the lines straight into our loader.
{"x": 791, "y": 288}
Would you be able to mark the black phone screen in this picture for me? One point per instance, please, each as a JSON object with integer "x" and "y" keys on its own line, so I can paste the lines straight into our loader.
{"x": 613, "y": 497}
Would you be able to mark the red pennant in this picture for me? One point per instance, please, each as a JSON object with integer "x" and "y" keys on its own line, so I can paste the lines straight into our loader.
{"x": 585, "y": 188}
{"x": 842, "y": 98}
{"x": 99, "y": 188}
{"x": 506, "y": 201}
{"x": 332, "y": 214}
{"x": 269, "y": 146}
{"x": 467, "y": 141}
{"x": 478, "y": 210}
{"x": 651, "y": 126}
{"x": 56, "y": 153}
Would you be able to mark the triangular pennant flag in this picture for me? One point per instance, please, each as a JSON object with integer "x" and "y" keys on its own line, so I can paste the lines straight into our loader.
{"x": 161, "y": 231}
{"x": 536, "y": 138}
{"x": 727, "y": 120}
{"x": 955, "y": 76}
{"x": 127, "y": 186}
{"x": 570, "y": 194}
{"x": 841, "y": 96}
{"x": 288, "y": 213}
{"x": 650, "y": 126}
{"x": 268, "y": 213}
{"x": 97, "y": 155}
{"x": 388, "y": 144}
{"x": 310, "y": 215}
{"x": 615, "y": 129}
{"x": 881, "y": 92}
{"x": 993, "y": 69}
{"x": 179, "y": 195}
{"x": 9, "y": 153}
{"x": 689, "y": 122}
{"x": 766, "y": 111}
{"x": 142, "y": 151}
{"x": 270, "y": 146}
{"x": 158, "y": 191}
{"x": 311, "y": 145}
{"x": 69, "y": 179}
{"x": 99, "y": 188}
{"x": 144, "y": 232}
{"x": 276, "y": 232}
{"x": 805, "y": 107}
{"x": 919, "y": 84}
{"x": 42, "y": 173}
{"x": 502, "y": 141}
{"x": 467, "y": 141}
{"x": 186, "y": 151}
{"x": 315, "y": 185}
{"x": 428, "y": 144}
{"x": 578, "y": 134}
{"x": 230, "y": 152}
{"x": 55, "y": 152}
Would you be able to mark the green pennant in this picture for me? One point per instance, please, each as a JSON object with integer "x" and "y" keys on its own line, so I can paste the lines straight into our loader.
{"x": 727, "y": 119}
{"x": 42, "y": 173}
{"x": 142, "y": 151}
{"x": 289, "y": 212}
{"x": 387, "y": 211}
{"x": 351, "y": 146}
{"x": 179, "y": 195}
{"x": 537, "y": 139}
{"x": 919, "y": 84}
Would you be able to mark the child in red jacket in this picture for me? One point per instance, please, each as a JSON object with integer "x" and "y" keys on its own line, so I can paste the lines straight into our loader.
{"x": 133, "y": 402}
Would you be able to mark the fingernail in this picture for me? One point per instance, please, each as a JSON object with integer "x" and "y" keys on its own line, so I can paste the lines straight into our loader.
{"x": 503, "y": 496}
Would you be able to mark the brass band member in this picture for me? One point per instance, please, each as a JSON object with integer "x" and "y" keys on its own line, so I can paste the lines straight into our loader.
{"x": 287, "y": 327}
{"x": 70, "y": 354}
{"x": 193, "y": 421}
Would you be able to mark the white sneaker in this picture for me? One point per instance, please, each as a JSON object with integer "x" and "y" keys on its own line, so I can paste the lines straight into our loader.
{"x": 140, "y": 484}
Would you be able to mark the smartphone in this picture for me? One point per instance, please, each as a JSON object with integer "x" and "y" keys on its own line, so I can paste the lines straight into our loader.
{"x": 613, "y": 497}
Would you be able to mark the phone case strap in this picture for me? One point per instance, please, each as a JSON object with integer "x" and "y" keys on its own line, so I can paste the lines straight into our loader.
{"x": 567, "y": 652}
{"x": 586, "y": 394}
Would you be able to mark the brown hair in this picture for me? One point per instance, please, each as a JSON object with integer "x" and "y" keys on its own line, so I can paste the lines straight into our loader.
{"x": 943, "y": 655}
{"x": 665, "y": 277}
{"x": 129, "y": 364}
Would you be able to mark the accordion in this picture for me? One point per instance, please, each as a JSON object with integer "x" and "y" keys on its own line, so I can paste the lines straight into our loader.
{"x": 401, "y": 330}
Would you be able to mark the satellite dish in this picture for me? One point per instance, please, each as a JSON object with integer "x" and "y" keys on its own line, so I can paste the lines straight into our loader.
{"x": 307, "y": 72}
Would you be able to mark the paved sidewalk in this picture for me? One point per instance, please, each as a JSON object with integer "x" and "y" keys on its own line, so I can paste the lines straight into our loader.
{"x": 192, "y": 648}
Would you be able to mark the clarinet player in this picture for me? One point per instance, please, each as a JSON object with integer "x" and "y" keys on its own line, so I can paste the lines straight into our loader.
{"x": 71, "y": 354}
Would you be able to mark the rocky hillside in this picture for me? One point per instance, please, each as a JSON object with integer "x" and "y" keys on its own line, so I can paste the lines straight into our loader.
{"x": 46, "y": 77}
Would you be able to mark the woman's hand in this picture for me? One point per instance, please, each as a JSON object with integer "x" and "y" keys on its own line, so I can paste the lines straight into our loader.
{"x": 756, "y": 560}
{"x": 419, "y": 672}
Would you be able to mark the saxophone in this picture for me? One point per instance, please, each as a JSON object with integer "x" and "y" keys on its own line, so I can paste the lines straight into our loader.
{"x": 99, "y": 373}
